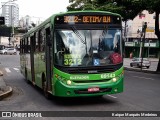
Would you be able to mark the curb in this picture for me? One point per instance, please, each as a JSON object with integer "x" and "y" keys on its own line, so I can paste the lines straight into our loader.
{"x": 139, "y": 70}
{"x": 7, "y": 91}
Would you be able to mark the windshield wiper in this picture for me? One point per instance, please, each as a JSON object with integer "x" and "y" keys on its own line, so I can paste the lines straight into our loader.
{"x": 102, "y": 36}
{"x": 78, "y": 35}
{"x": 104, "y": 31}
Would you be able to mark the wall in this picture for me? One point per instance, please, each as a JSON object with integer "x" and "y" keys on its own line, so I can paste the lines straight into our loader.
{"x": 137, "y": 24}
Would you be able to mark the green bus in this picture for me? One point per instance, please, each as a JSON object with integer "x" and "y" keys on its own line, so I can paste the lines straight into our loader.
{"x": 75, "y": 54}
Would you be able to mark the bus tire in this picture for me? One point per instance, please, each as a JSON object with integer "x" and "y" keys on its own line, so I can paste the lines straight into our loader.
{"x": 44, "y": 87}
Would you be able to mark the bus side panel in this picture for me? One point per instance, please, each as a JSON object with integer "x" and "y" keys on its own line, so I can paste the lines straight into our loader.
{"x": 28, "y": 67}
{"x": 22, "y": 63}
{"x": 39, "y": 68}
{"x": 36, "y": 70}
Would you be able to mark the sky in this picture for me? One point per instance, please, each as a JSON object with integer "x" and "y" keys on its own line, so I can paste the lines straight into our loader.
{"x": 40, "y": 8}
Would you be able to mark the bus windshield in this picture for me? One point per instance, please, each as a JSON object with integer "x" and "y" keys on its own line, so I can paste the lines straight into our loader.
{"x": 89, "y": 47}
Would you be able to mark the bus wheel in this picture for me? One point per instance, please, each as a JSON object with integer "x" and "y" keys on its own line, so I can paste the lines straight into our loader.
{"x": 46, "y": 93}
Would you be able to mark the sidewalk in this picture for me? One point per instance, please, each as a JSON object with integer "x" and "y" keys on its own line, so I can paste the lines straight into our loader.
{"x": 5, "y": 90}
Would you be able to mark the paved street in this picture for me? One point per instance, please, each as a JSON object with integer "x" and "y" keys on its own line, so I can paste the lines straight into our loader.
{"x": 141, "y": 93}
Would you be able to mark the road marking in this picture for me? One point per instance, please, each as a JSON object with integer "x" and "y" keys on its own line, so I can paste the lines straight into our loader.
{"x": 16, "y": 69}
{"x": 143, "y": 77}
{"x": 112, "y": 96}
{"x": 17, "y": 66}
{"x": 7, "y": 70}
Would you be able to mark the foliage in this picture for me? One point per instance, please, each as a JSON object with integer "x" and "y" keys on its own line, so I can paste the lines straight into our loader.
{"x": 19, "y": 30}
{"x": 5, "y": 31}
{"x": 153, "y": 6}
{"x": 128, "y": 9}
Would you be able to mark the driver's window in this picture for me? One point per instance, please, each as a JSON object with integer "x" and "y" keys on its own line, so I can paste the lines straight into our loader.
{"x": 59, "y": 48}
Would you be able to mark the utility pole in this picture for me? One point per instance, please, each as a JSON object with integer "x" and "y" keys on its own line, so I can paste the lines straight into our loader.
{"x": 12, "y": 24}
{"x": 143, "y": 40}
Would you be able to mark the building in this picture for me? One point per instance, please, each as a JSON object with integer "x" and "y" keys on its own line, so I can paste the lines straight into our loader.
{"x": 133, "y": 43}
{"x": 25, "y": 22}
{"x": 11, "y": 13}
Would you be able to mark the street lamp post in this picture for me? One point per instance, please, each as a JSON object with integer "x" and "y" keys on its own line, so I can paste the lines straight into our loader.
{"x": 143, "y": 40}
{"x": 12, "y": 24}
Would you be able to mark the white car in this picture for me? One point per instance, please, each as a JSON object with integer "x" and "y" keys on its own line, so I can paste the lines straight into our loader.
{"x": 3, "y": 51}
{"x": 10, "y": 51}
{"x": 139, "y": 63}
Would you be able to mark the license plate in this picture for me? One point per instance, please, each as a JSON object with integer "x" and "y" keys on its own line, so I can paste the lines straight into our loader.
{"x": 94, "y": 89}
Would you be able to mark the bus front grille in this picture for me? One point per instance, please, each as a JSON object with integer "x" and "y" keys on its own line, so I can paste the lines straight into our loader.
{"x": 90, "y": 69}
{"x": 90, "y": 81}
{"x": 84, "y": 71}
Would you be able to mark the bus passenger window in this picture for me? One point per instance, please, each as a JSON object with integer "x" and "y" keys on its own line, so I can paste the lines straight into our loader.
{"x": 37, "y": 41}
{"x": 42, "y": 41}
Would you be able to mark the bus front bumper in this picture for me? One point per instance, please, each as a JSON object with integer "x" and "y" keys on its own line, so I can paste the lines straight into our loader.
{"x": 63, "y": 90}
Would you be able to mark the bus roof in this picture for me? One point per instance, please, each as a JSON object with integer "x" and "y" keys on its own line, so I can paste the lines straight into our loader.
{"x": 51, "y": 18}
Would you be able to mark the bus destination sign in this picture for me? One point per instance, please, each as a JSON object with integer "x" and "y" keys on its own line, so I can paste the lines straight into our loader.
{"x": 87, "y": 19}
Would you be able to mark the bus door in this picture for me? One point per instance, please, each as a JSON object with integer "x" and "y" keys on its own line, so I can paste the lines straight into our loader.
{"x": 49, "y": 59}
{"x": 32, "y": 58}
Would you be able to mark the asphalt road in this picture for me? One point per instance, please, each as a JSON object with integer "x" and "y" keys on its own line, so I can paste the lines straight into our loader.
{"x": 141, "y": 93}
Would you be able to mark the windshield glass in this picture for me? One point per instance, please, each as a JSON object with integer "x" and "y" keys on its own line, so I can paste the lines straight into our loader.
{"x": 87, "y": 47}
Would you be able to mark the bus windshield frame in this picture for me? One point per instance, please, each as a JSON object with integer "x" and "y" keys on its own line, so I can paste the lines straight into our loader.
{"x": 87, "y": 45}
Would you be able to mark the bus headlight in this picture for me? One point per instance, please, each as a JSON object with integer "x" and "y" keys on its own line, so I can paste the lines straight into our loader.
{"x": 114, "y": 79}
{"x": 69, "y": 82}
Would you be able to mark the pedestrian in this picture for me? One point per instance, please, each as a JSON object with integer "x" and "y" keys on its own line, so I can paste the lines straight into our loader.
{"x": 131, "y": 55}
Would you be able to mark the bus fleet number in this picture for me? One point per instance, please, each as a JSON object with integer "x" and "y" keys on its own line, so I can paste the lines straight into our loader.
{"x": 109, "y": 75}
{"x": 72, "y": 61}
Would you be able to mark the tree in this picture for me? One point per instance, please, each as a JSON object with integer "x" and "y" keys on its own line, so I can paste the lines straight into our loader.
{"x": 153, "y": 6}
{"x": 128, "y": 9}
{"x": 136, "y": 6}
{"x": 5, "y": 31}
